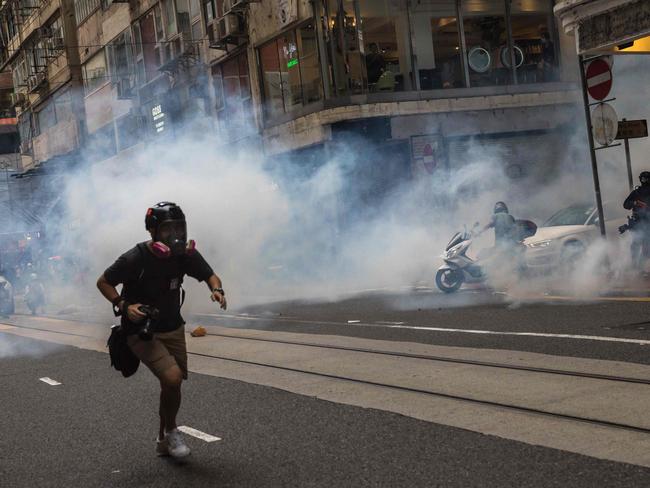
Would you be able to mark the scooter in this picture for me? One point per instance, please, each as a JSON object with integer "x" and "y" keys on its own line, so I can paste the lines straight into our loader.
{"x": 459, "y": 268}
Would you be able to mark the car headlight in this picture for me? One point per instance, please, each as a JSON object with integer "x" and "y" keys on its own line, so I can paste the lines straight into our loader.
{"x": 538, "y": 245}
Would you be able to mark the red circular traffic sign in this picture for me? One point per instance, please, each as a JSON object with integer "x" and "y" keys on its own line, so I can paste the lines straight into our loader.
{"x": 599, "y": 79}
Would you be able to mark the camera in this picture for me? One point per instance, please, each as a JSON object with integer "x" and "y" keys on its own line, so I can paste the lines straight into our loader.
{"x": 145, "y": 333}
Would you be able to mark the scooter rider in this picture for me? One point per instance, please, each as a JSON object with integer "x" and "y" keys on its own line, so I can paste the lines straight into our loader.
{"x": 504, "y": 226}
{"x": 152, "y": 273}
{"x": 639, "y": 202}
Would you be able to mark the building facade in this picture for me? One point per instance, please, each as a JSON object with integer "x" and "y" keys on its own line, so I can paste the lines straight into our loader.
{"x": 606, "y": 26}
{"x": 415, "y": 80}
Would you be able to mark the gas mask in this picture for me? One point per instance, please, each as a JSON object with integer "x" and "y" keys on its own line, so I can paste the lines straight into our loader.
{"x": 170, "y": 239}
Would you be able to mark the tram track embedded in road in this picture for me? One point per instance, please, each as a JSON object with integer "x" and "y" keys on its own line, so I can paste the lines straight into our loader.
{"x": 422, "y": 391}
{"x": 460, "y": 398}
{"x": 471, "y": 362}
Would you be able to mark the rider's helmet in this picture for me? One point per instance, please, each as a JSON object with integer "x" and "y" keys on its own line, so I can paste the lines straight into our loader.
{"x": 500, "y": 207}
{"x": 644, "y": 177}
{"x": 166, "y": 222}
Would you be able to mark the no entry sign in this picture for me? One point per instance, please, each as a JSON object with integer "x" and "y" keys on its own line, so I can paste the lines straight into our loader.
{"x": 599, "y": 79}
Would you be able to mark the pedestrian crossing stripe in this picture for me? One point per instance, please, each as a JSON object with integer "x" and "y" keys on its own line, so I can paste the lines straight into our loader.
{"x": 198, "y": 434}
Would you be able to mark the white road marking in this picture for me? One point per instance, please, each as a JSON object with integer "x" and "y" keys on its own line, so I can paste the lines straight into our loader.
{"x": 471, "y": 331}
{"x": 49, "y": 381}
{"x": 381, "y": 322}
{"x": 198, "y": 434}
{"x": 527, "y": 334}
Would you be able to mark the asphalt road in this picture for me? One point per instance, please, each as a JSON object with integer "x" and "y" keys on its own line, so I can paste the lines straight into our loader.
{"x": 391, "y": 316}
{"x": 98, "y": 429}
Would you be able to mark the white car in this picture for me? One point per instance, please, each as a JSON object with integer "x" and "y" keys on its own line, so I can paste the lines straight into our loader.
{"x": 567, "y": 234}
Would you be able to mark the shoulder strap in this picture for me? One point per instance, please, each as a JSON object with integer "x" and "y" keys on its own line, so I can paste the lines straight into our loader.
{"x": 141, "y": 263}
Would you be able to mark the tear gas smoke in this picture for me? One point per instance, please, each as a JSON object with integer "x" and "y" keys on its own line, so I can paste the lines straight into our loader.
{"x": 322, "y": 230}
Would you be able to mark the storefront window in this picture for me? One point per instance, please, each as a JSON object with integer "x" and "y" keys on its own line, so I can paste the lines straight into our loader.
{"x": 532, "y": 25}
{"x": 291, "y": 71}
{"x": 271, "y": 79}
{"x": 386, "y": 43}
{"x": 437, "y": 45}
{"x": 233, "y": 95}
{"x": 487, "y": 42}
{"x": 309, "y": 66}
{"x": 348, "y": 62}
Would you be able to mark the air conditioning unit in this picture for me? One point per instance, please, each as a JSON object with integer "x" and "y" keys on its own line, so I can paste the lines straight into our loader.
{"x": 125, "y": 89}
{"x": 18, "y": 99}
{"x": 190, "y": 48}
{"x": 37, "y": 80}
{"x": 240, "y": 5}
{"x": 232, "y": 25}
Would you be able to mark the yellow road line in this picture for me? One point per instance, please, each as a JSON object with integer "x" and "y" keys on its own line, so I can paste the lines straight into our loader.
{"x": 595, "y": 299}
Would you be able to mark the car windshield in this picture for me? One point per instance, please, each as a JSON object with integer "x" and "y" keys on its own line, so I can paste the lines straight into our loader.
{"x": 574, "y": 215}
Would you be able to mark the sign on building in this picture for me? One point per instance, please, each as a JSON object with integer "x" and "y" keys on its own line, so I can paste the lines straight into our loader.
{"x": 618, "y": 25}
{"x": 426, "y": 152}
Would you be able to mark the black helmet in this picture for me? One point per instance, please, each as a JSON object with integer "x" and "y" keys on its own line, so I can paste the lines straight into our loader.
{"x": 500, "y": 207}
{"x": 644, "y": 177}
{"x": 166, "y": 221}
{"x": 162, "y": 212}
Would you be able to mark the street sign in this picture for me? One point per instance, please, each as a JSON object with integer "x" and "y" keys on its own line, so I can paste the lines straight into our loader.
{"x": 632, "y": 129}
{"x": 428, "y": 158}
{"x": 599, "y": 79}
{"x": 604, "y": 122}
{"x": 426, "y": 153}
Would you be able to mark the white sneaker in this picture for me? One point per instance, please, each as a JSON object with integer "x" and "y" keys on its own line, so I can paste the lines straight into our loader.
{"x": 176, "y": 445}
{"x": 162, "y": 448}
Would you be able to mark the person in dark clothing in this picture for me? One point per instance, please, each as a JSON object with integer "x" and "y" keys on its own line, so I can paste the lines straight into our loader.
{"x": 151, "y": 274}
{"x": 375, "y": 64}
{"x": 639, "y": 202}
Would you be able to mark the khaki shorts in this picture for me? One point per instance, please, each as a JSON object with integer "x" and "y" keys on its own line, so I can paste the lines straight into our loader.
{"x": 165, "y": 350}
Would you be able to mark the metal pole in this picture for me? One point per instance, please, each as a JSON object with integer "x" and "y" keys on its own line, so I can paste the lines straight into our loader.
{"x": 319, "y": 17}
{"x": 628, "y": 160}
{"x": 511, "y": 43}
{"x": 463, "y": 43}
{"x": 594, "y": 163}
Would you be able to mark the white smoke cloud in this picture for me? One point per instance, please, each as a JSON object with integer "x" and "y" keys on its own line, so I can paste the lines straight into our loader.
{"x": 319, "y": 231}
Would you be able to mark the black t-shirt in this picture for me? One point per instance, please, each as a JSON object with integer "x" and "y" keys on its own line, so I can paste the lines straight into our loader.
{"x": 156, "y": 282}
